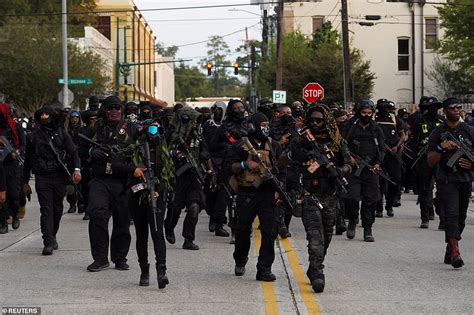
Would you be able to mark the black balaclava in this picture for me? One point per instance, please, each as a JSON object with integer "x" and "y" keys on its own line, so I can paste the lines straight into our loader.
{"x": 260, "y": 133}
{"x": 286, "y": 120}
{"x": 145, "y": 112}
{"x": 236, "y": 116}
{"x": 112, "y": 116}
{"x": 206, "y": 114}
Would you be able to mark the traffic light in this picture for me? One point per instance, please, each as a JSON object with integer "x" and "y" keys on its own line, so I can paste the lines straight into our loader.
{"x": 236, "y": 68}
{"x": 209, "y": 69}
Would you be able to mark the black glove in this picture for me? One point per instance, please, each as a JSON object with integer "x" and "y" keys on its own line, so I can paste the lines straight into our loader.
{"x": 99, "y": 153}
{"x": 300, "y": 155}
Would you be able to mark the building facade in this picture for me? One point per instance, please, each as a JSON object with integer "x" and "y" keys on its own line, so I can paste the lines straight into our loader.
{"x": 400, "y": 45}
{"x": 133, "y": 43}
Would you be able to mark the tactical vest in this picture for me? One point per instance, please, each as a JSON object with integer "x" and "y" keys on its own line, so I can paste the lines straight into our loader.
{"x": 43, "y": 159}
{"x": 248, "y": 179}
{"x": 426, "y": 127}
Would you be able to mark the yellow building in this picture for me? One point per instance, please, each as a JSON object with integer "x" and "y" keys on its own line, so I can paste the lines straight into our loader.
{"x": 133, "y": 43}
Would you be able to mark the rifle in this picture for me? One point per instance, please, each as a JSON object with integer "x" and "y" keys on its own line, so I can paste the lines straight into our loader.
{"x": 233, "y": 204}
{"x": 64, "y": 168}
{"x": 362, "y": 163}
{"x": 113, "y": 149}
{"x": 191, "y": 163}
{"x": 8, "y": 149}
{"x": 396, "y": 155}
{"x": 464, "y": 149}
{"x": 325, "y": 158}
{"x": 266, "y": 173}
{"x": 421, "y": 153}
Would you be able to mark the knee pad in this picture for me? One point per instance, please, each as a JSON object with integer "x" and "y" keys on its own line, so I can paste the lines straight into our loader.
{"x": 193, "y": 210}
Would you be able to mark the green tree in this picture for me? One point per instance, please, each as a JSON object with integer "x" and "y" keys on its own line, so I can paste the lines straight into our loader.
{"x": 457, "y": 43}
{"x": 449, "y": 79}
{"x": 315, "y": 60}
{"x": 166, "y": 51}
{"x": 190, "y": 82}
{"x": 30, "y": 66}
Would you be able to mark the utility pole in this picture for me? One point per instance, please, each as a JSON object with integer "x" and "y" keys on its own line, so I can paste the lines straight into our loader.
{"x": 348, "y": 97}
{"x": 264, "y": 33}
{"x": 279, "y": 48}
{"x": 65, "y": 99}
{"x": 249, "y": 62}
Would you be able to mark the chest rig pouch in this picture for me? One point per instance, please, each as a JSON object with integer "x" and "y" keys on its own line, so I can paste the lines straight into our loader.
{"x": 249, "y": 179}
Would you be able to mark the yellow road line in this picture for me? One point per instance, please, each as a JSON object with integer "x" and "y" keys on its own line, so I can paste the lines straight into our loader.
{"x": 306, "y": 291}
{"x": 269, "y": 296}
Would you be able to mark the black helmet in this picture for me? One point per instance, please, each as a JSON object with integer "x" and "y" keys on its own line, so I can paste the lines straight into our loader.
{"x": 430, "y": 102}
{"x": 361, "y": 104}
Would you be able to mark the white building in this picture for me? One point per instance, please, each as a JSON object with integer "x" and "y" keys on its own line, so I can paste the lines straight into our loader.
{"x": 100, "y": 45}
{"x": 164, "y": 89}
{"x": 399, "y": 45}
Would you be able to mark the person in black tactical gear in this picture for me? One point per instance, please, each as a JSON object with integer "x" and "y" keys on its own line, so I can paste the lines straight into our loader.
{"x": 145, "y": 111}
{"x": 131, "y": 111}
{"x": 216, "y": 197}
{"x": 283, "y": 130}
{"x": 50, "y": 177}
{"x": 421, "y": 127}
{"x": 89, "y": 117}
{"x": 394, "y": 136}
{"x": 112, "y": 167}
{"x": 9, "y": 160}
{"x": 144, "y": 216}
{"x": 254, "y": 196}
{"x": 365, "y": 139}
{"x": 325, "y": 161}
{"x": 232, "y": 129}
{"x": 94, "y": 103}
{"x": 73, "y": 197}
{"x": 188, "y": 152}
{"x": 453, "y": 176}
{"x": 205, "y": 114}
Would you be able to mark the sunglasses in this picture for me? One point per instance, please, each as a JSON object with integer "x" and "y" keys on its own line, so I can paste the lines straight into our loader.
{"x": 116, "y": 107}
{"x": 458, "y": 107}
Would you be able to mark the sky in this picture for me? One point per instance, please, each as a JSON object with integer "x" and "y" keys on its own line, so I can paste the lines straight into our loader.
{"x": 174, "y": 28}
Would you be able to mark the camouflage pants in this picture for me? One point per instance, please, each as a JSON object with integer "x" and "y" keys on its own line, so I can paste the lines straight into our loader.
{"x": 319, "y": 226}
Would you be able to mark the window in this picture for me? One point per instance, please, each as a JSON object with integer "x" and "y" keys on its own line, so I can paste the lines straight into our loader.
{"x": 431, "y": 33}
{"x": 317, "y": 23}
{"x": 104, "y": 26}
{"x": 403, "y": 54}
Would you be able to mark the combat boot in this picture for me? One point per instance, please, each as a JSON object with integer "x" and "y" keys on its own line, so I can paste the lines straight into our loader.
{"x": 340, "y": 225}
{"x": 447, "y": 255}
{"x": 3, "y": 228}
{"x": 81, "y": 208}
{"x": 283, "y": 231}
{"x": 424, "y": 224}
{"x": 318, "y": 282}
{"x": 212, "y": 225}
{"x": 220, "y": 231}
{"x": 16, "y": 222}
{"x": 456, "y": 260}
{"x": 169, "y": 234}
{"x": 47, "y": 250}
{"x": 351, "y": 230}
{"x": 389, "y": 211}
{"x": 161, "y": 276}
{"x": 145, "y": 275}
{"x": 72, "y": 209}
{"x": 368, "y": 237}
{"x": 266, "y": 276}
{"x": 379, "y": 214}
{"x": 188, "y": 244}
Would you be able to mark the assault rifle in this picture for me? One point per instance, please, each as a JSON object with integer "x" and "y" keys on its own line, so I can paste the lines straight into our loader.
{"x": 191, "y": 163}
{"x": 397, "y": 156}
{"x": 325, "y": 158}
{"x": 233, "y": 204}
{"x": 421, "y": 153}
{"x": 8, "y": 149}
{"x": 113, "y": 150}
{"x": 266, "y": 173}
{"x": 464, "y": 149}
{"x": 63, "y": 166}
{"x": 363, "y": 163}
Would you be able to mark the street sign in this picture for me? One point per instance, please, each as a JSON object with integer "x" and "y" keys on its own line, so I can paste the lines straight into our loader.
{"x": 313, "y": 92}
{"x": 70, "y": 97}
{"x": 76, "y": 81}
{"x": 279, "y": 97}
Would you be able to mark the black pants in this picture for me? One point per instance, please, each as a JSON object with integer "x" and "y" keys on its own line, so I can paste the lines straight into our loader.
{"x": 107, "y": 197}
{"x": 143, "y": 220}
{"x": 364, "y": 188}
{"x": 249, "y": 205}
{"x": 22, "y": 195}
{"x": 51, "y": 189}
{"x": 187, "y": 192}
{"x": 393, "y": 168}
{"x": 216, "y": 204}
{"x": 84, "y": 186}
{"x": 425, "y": 186}
{"x": 454, "y": 199}
{"x": 13, "y": 193}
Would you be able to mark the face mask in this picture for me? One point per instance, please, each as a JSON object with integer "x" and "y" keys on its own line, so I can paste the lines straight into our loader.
{"x": 261, "y": 133}
{"x": 238, "y": 116}
{"x": 45, "y": 122}
{"x": 286, "y": 120}
{"x": 432, "y": 112}
{"x": 365, "y": 119}
{"x": 145, "y": 115}
{"x": 218, "y": 115}
{"x": 113, "y": 115}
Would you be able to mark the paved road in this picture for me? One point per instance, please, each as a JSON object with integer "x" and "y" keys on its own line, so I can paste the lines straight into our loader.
{"x": 402, "y": 272}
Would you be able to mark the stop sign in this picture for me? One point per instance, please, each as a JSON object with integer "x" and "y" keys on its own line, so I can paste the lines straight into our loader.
{"x": 313, "y": 92}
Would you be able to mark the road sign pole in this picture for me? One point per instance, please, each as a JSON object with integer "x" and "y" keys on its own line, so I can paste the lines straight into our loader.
{"x": 65, "y": 99}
